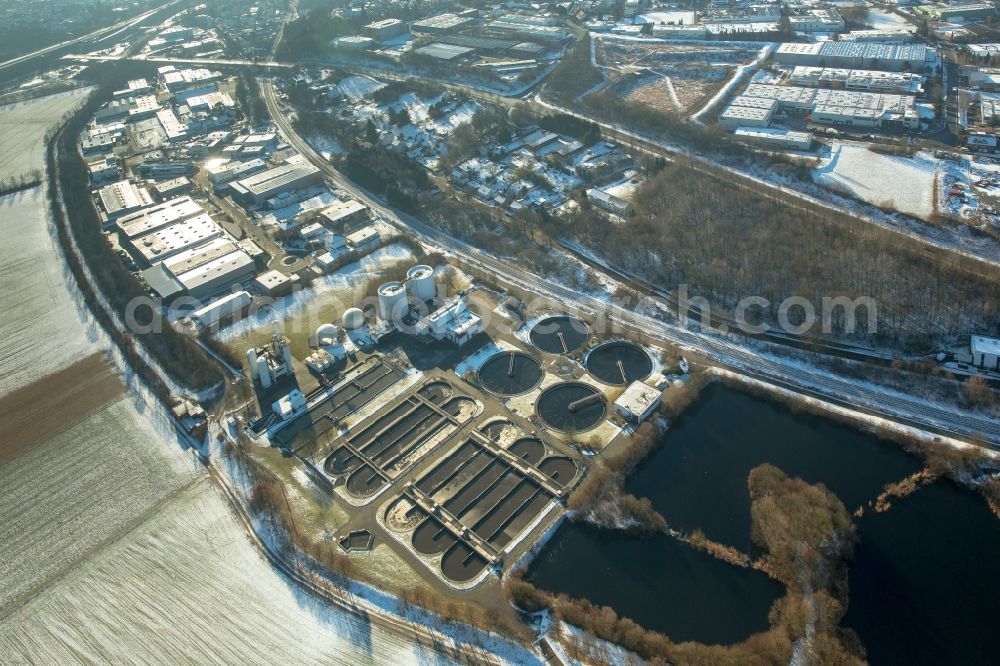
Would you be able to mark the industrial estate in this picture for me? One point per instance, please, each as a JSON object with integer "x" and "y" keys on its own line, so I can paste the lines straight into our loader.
{"x": 580, "y": 332}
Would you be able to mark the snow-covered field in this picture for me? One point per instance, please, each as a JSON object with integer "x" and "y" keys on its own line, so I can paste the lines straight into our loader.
{"x": 64, "y": 497}
{"x": 23, "y": 126}
{"x": 904, "y": 183}
{"x": 357, "y": 87}
{"x": 185, "y": 586}
{"x": 674, "y": 17}
{"x": 881, "y": 19}
{"x": 40, "y": 328}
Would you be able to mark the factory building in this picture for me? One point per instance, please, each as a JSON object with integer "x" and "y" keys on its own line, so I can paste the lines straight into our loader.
{"x": 446, "y": 52}
{"x": 857, "y": 79}
{"x": 344, "y": 213}
{"x": 985, "y": 352}
{"x": 172, "y": 127}
{"x": 442, "y": 23}
{"x": 506, "y": 29}
{"x": 453, "y": 322}
{"x": 222, "y": 174}
{"x": 121, "y": 198}
{"x": 857, "y": 55}
{"x": 362, "y": 239}
{"x": 212, "y": 268}
{"x": 150, "y": 219}
{"x": 638, "y": 402}
{"x": 775, "y": 137}
{"x": 747, "y": 111}
{"x": 832, "y": 107}
{"x": 260, "y": 187}
{"x": 167, "y": 241}
{"x": 817, "y": 20}
{"x": 273, "y": 283}
{"x": 271, "y": 362}
{"x": 385, "y": 29}
{"x": 231, "y": 306}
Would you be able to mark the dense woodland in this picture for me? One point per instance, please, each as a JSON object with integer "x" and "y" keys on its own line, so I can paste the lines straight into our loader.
{"x": 728, "y": 242}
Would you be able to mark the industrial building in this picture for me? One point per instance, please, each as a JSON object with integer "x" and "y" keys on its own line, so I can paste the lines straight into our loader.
{"x": 362, "y": 239}
{"x": 260, "y": 187}
{"x": 270, "y": 362}
{"x": 817, "y": 20}
{"x": 857, "y": 79}
{"x": 638, "y": 402}
{"x": 222, "y": 174}
{"x": 453, "y": 322}
{"x": 446, "y": 52}
{"x": 230, "y": 306}
{"x": 857, "y": 55}
{"x": 775, "y": 137}
{"x": 211, "y": 268}
{"x": 985, "y": 352}
{"x": 167, "y": 241}
{"x": 344, "y": 213}
{"x": 159, "y": 216}
{"x": 386, "y": 29}
{"x": 442, "y": 23}
{"x": 122, "y": 198}
{"x": 832, "y": 107}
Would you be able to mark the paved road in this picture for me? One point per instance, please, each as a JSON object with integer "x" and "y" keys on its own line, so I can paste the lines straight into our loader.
{"x": 728, "y": 354}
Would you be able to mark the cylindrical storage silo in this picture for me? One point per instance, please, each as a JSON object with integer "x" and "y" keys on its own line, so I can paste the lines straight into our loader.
{"x": 264, "y": 372}
{"x": 420, "y": 280}
{"x": 353, "y": 319}
{"x": 393, "y": 304}
{"x": 252, "y": 363}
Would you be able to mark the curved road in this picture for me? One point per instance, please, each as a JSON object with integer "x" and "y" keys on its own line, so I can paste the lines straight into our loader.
{"x": 863, "y": 398}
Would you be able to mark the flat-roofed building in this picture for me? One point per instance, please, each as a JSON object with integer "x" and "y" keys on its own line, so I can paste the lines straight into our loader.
{"x": 985, "y": 352}
{"x": 167, "y": 241}
{"x": 347, "y": 213}
{"x": 172, "y": 127}
{"x": 857, "y": 79}
{"x": 638, "y": 402}
{"x": 775, "y": 137}
{"x": 609, "y": 202}
{"x": 218, "y": 275}
{"x": 386, "y": 29}
{"x": 442, "y": 23}
{"x": 746, "y": 111}
{"x": 362, "y": 239}
{"x": 122, "y": 198}
{"x": 157, "y": 217}
{"x": 857, "y": 55}
{"x": 222, "y": 174}
{"x": 446, "y": 52}
{"x": 260, "y": 187}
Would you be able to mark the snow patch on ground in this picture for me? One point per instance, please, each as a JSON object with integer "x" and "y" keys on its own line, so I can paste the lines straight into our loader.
{"x": 904, "y": 183}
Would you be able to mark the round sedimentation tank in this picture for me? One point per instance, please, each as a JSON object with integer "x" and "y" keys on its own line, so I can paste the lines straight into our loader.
{"x": 326, "y": 334}
{"x": 562, "y": 334}
{"x": 392, "y": 301}
{"x": 510, "y": 373}
{"x": 353, "y": 319}
{"x": 619, "y": 363}
{"x": 420, "y": 281}
{"x": 571, "y": 406}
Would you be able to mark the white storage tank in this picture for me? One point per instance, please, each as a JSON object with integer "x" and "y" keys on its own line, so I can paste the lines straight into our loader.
{"x": 353, "y": 319}
{"x": 420, "y": 280}
{"x": 393, "y": 303}
{"x": 326, "y": 334}
{"x": 252, "y": 364}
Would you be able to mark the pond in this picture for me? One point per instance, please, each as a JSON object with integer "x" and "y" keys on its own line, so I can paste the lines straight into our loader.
{"x": 901, "y": 604}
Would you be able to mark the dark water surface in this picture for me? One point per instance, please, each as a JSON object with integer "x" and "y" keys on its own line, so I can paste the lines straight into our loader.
{"x": 923, "y": 586}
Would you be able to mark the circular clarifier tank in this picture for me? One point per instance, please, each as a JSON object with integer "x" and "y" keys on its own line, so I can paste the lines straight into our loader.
{"x": 571, "y": 406}
{"x": 562, "y": 334}
{"x": 619, "y": 363}
{"x": 510, "y": 373}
